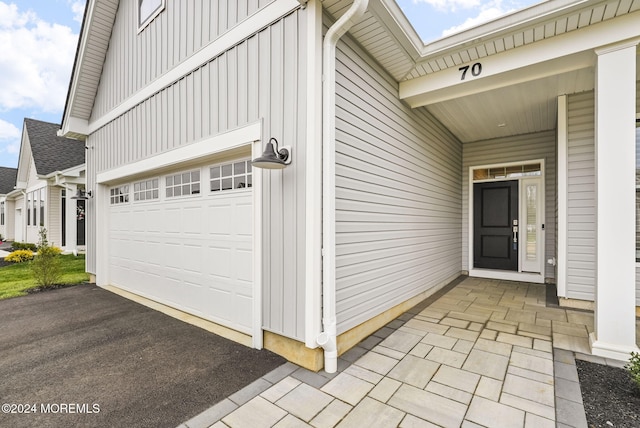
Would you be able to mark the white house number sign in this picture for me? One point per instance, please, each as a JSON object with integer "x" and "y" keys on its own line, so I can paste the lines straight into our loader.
{"x": 476, "y": 70}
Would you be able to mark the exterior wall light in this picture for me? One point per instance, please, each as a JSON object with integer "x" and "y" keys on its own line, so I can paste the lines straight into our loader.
{"x": 273, "y": 158}
{"x": 82, "y": 195}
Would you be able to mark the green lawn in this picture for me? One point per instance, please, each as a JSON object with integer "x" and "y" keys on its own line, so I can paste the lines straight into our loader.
{"x": 16, "y": 279}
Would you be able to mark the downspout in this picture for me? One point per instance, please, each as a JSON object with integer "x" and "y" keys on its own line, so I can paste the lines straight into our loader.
{"x": 327, "y": 339}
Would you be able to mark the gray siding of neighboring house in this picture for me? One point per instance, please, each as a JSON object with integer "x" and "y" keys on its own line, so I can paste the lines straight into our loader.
{"x": 259, "y": 78}
{"x": 581, "y": 197}
{"x": 517, "y": 148}
{"x": 183, "y": 28}
{"x": 398, "y": 186}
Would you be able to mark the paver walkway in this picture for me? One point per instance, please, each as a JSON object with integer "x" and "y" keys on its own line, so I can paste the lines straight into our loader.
{"x": 481, "y": 355}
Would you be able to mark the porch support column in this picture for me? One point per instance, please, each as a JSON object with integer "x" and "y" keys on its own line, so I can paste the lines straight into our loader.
{"x": 71, "y": 227}
{"x": 615, "y": 327}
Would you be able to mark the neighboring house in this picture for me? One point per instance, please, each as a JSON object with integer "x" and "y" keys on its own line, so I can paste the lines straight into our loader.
{"x": 7, "y": 182}
{"x": 50, "y": 170}
{"x": 504, "y": 151}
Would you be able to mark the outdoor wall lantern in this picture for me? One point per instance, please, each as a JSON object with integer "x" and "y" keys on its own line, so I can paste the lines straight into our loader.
{"x": 273, "y": 158}
{"x": 82, "y": 195}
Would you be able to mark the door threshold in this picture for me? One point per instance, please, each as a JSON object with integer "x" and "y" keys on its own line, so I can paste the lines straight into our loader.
{"x": 507, "y": 275}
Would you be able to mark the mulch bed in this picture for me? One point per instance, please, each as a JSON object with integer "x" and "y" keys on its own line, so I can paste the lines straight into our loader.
{"x": 611, "y": 398}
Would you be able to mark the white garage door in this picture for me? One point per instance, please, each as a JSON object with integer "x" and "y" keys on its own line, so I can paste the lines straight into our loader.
{"x": 192, "y": 251}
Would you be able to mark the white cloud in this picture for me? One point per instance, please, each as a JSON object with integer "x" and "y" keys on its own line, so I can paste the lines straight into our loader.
{"x": 9, "y": 137}
{"x": 77, "y": 7}
{"x": 451, "y": 5}
{"x": 36, "y": 61}
{"x": 484, "y": 16}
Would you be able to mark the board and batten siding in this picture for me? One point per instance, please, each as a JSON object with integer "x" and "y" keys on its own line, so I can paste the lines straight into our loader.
{"x": 183, "y": 28}
{"x": 398, "y": 186}
{"x": 518, "y": 148}
{"x": 581, "y": 197}
{"x": 257, "y": 79}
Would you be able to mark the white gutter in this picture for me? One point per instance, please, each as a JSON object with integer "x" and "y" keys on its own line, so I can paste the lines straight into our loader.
{"x": 327, "y": 339}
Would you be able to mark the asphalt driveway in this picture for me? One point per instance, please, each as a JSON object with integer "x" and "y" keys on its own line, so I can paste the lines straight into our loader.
{"x": 87, "y": 357}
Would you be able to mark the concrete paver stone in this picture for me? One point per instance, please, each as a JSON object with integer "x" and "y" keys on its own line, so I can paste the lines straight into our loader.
{"x": 481, "y": 356}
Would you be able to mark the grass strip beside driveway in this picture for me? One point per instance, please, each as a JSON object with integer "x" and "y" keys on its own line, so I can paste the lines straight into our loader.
{"x": 17, "y": 278}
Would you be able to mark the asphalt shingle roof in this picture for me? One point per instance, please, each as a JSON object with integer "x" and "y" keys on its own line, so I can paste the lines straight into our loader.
{"x": 50, "y": 152}
{"x": 7, "y": 179}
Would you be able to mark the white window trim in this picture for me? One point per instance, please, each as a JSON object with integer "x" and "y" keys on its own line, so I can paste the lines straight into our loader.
{"x": 158, "y": 11}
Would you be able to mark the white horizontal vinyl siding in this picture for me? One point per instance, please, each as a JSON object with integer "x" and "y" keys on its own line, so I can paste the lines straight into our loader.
{"x": 181, "y": 29}
{"x": 517, "y": 148}
{"x": 581, "y": 198}
{"x": 258, "y": 79}
{"x": 54, "y": 215}
{"x": 398, "y": 186}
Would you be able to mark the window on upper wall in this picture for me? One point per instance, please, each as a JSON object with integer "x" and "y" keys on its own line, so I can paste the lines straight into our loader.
{"x": 637, "y": 190}
{"x": 148, "y": 10}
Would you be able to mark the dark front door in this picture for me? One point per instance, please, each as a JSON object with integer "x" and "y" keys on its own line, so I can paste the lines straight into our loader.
{"x": 495, "y": 213}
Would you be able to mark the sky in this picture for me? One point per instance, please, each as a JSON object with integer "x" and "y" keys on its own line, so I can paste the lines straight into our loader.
{"x": 434, "y": 19}
{"x": 38, "y": 40}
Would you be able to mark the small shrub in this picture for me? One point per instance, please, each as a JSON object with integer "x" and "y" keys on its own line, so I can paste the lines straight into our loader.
{"x": 50, "y": 251}
{"x": 46, "y": 265}
{"x": 24, "y": 246}
{"x": 19, "y": 256}
{"x": 634, "y": 367}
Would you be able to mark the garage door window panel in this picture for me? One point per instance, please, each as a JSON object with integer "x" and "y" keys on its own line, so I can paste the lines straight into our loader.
{"x": 183, "y": 184}
{"x": 230, "y": 176}
{"x": 146, "y": 190}
{"x": 119, "y": 195}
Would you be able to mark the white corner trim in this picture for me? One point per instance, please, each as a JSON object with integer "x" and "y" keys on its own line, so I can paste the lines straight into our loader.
{"x": 313, "y": 176}
{"x": 206, "y": 147}
{"x": 256, "y": 319}
{"x": 563, "y": 145}
{"x": 254, "y": 23}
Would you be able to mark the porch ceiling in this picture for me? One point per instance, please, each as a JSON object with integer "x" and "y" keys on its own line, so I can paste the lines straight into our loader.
{"x": 513, "y": 110}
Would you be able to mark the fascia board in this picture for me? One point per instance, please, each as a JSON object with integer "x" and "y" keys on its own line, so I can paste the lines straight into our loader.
{"x": 75, "y": 78}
